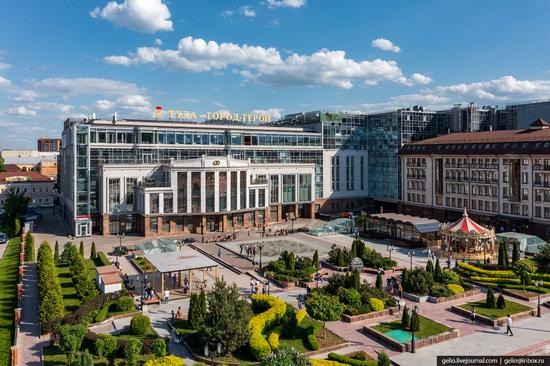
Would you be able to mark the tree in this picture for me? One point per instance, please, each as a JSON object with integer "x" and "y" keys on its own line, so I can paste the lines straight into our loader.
{"x": 93, "y": 253}
{"x": 85, "y": 287}
{"x": 81, "y": 249}
{"x": 353, "y": 251}
{"x": 340, "y": 260}
{"x": 383, "y": 359}
{"x": 85, "y": 359}
{"x": 430, "y": 267}
{"x": 15, "y": 205}
{"x": 506, "y": 255}
{"x": 70, "y": 340}
{"x": 524, "y": 269}
{"x": 324, "y": 307}
{"x": 438, "y": 275}
{"x": 140, "y": 324}
{"x": 197, "y": 310}
{"x": 515, "y": 253}
{"x": 56, "y": 253}
{"x": 132, "y": 350}
{"x": 110, "y": 347}
{"x": 543, "y": 259}
{"x": 315, "y": 260}
{"x": 418, "y": 281}
{"x": 405, "y": 278}
{"x": 29, "y": 248}
{"x": 51, "y": 308}
{"x": 2, "y": 167}
{"x": 379, "y": 284}
{"x": 291, "y": 263}
{"x": 227, "y": 318}
{"x": 99, "y": 348}
{"x": 285, "y": 356}
{"x": 490, "y": 300}
{"x": 360, "y": 248}
{"x": 289, "y": 322}
{"x": 415, "y": 321}
{"x": 353, "y": 281}
{"x": 501, "y": 303}
{"x": 159, "y": 348}
{"x": 405, "y": 319}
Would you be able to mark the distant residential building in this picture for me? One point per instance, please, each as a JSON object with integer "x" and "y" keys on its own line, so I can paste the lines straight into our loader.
{"x": 47, "y": 168}
{"x": 37, "y": 187}
{"x": 46, "y": 144}
{"x": 31, "y": 160}
{"x": 502, "y": 177}
{"x": 527, "y": 112}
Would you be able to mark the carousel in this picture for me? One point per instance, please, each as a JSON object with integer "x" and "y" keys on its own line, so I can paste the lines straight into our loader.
{"x": 466, "y": 238}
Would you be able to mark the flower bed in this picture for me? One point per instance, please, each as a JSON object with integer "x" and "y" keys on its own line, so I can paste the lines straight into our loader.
{"x": 437, "y": 300}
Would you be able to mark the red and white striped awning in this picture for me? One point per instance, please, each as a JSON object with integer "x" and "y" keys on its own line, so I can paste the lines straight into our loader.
{"x": 466, "y": 225}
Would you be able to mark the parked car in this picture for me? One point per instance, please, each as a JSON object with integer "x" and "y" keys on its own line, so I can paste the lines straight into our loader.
{"x": 3, "y": 238}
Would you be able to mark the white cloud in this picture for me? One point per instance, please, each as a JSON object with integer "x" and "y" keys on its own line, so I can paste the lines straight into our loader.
{"x": 385, "y": 44}
{"x": 104, "y": 105}
{"x": 286, "y": 3}
{"x": 265, "y": 65}
{"x": 4, "y": 66}
{"x": 22, "y": 111}
{"x": 4, "y": 83}
{"x": 189, "y": 100}
{"x": 148, "y": 16}
{"x": 247, "y": 11}
{"x": 421, "y": 79}
{"x": 135, "y": 103}
{"x": 158, "y": 41}
{"x": 275, "y": 113}
{"x": 50, "y": 107}
{"x": 25, "y": 95}
{"x": 86, "y": 86}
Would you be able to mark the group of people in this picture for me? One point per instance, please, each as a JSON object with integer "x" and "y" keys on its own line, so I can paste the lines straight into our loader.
{"x": 148, "y": 292}
{"x": 257, "y": 287}
{"x": 129, "y": 283}
{"x": 250, "y": 250}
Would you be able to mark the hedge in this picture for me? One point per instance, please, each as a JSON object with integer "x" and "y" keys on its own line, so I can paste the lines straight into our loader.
{"x": 531, "y": 288}
{"x": 277, "y": 308}
{"x": 103, "y": 259}
{"x": 273, "y": 338}
{"x": 541, "y": 276}
{"x": 318, "y": 362}
{"x": 376, "y": 304}
{"x": 102, "y": 314}
{"x": 165, "y": 361}
{"x": 82, "y": 314}
{"x": 351, "y": 361}
{"x": 455, "y": 289}
{"x": 311, "y": 338}
{"x": 300, "y": 315}
{"x": 146, "y": 349}
{"x": 503, "y": 281}
{"x": 485, "y": 272}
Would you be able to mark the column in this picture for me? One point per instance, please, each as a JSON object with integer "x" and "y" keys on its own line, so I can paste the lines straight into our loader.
{"x": 216, "y": 191}
{"x": 238, "y": 189}
{"x": 105, "y": 224}
{"x": 188, "y": 192}
{"x": 161, "y": 202}
{"x": 159, "y": 224}
{"x": 172, "y": 224}
{"x": 224, "y": 227}
{"x": 203, "y": 191}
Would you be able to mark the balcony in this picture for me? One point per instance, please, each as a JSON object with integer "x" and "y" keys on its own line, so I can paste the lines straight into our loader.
{"x": 258, "y": 181}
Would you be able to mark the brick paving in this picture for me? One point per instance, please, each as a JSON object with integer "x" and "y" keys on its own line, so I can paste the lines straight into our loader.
{"x": 29, "y": 340}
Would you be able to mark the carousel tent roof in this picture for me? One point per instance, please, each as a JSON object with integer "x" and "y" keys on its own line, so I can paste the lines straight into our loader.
{"x": 466, "y": 225}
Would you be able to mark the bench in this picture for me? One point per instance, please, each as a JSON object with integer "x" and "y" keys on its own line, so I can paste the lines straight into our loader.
{"x": 151, "y": 301}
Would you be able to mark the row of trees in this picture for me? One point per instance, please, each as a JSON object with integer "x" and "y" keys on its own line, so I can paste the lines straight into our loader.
{"x": 85, "y": 287}
{"x": 15, "y": 206}
{"x": 504, "y": 256}
{"x": 29, "y": 248}
{"x": 51, "y": 308}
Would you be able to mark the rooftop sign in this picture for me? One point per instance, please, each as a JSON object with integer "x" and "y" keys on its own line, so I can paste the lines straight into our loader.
{"x": 182, "y": 115}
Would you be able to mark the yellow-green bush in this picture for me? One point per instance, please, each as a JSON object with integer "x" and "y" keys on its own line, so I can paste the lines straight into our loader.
{"x": 376, "y": 304}
{"x": 165, "y": 361}
{"x": 485, "y": 272}
{"x": 277, "y": 308}
{"x": 508, "y": 281}
{"x": 300, "y": 315}
{"x": 318, "y": 362}
{"x": 273, "y": 338}
{"x": 455, "y": 289}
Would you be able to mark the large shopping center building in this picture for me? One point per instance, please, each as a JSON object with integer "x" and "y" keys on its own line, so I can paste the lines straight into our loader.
{"x": 159, "y": 177}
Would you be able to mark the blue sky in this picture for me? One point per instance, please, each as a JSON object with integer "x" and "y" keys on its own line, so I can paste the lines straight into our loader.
{"x": 70, "y": 57}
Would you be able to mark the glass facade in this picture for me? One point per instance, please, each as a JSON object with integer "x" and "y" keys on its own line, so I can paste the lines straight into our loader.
{"x": 168, "y": 202}
{"x": 195, "y": 192}
{"x": 210, "y": 192}
{"x": 114, "y": 195}
{"x": 131, "y": 184}
{"x": 182, "y": 192}
{"x": 222, "y": 188}
{"x": 289, "y": 188}
{"x": 242, "y": 188}
{"x": 304, "y": 188}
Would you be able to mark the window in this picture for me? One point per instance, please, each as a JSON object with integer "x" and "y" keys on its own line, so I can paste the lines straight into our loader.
{"x": 261, "y": 198}
{"x": 304, "y": 189}
{"x": 153, "y": 224}
{"x": 209, "y": 191}
{"x": 130, "y": 191}
{"x": 252, "y": 198}
{"x": 222, "y": 189}
{"x": 168, "y": 203}
{"x": 335, "y": 173}
{"x": 166, "y": 224}
{"x": 362, "y": 172}
{"x": 195, "y": 192}
{"x": 114, "y": 194}
{"x": 233, "y": 190}
{"x": 182, "y": 192}
{"x": 289, "y": 188}
{"x": 524, "y": 178}
{"x": 350, "y": 173}
{"x": 243, "y": 189}
{"x": 274, "y": 188}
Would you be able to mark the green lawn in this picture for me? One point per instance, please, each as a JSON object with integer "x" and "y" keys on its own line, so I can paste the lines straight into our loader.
{"x": 9, "y": 273}
{"x": 54, "y": 357}
{"x": 427, "y": 327}
{"x": 70, "y": 298}
{"x": 482, "y": 309}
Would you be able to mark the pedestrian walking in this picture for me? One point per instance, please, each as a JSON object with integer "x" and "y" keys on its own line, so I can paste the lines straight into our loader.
{"x": 166, "y": 296}
{"x": 473, "y": 314}
{"x": 254, "y": 252}
{"x": 267, "y": 288}
{"x": 509, "y": 325}
{"x": 219, "y": 253}
{"x": 173, "y": 313}
{"x": 400, "y": 291}
{"x": 241, "y": 252}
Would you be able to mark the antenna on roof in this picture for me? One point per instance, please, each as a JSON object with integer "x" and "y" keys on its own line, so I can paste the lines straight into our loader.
{"x": 115, "y": 117}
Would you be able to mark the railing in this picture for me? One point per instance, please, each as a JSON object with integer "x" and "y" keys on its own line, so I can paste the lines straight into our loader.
{"x": 154, "y": 184}
{"x": 541, "y": 167}
{"x": 259, "y": 181}
{"x": 484, "y": 166}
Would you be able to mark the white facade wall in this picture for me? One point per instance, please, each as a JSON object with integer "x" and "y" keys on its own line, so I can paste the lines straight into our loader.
{"x": 39, "y": 193}
{"x": 359, "y": 190}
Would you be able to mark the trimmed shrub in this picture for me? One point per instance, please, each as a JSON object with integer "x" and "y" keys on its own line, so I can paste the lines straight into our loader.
{"x": 124, "y": 303}
{"x": 455, "y": 289}
{"x": 450, "y": 277}
{"x": 415, "y": 321}
{"x": 383, "y": 359}
{"x": 110, "y": 347}
{"x": 289, "y": 323}
{"x": 51, "y": 308}
{"x": 419, "y": 281}
{"x": 300, "y": 315}
{"x": 93, "y": 253}
{"x": 379, "y": 281}
{"x": 81, "y": 249}
{"x": 439, "y": 290}
{"x": 324, "y": 307}
{"x": 132, "y": 351}
{"x": 159, "y": 348}
{"x": 103, "y": 259}
{"x": 405, "y": 319}
{"x": 490, "y": 300}
{"x": 56, "y": 253}
{"x": 102, "y": 314}
{"x": 430, "y": 267}
{"x": 315, "y": 260}
{"x": 273, "y": 338}
{"x": 350, "y": 361}
{"x": 259, "y": 347}
{"x": 140, "y": 324}
{"x": 312, "y": 342}
{"x": 501, "y": 303}
{"x": 319, "y": 362}
{"x": 485, "y": 272}
{"x": 99, "y": 347}
{"x": 376, "y": 304}
{"x": 438, "y": 275}
{"x": 166, "y": 361}
{"x": 349, "y": 296}
{"x": 70, "y": 340}
{"x": 29, "y": 248}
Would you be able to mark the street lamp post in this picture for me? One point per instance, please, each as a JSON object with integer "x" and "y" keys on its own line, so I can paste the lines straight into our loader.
{"x": 233, "y": 224}
{"x": 120, "y": 236}
{"x": 293, "y": 218}
{"x": 260, "y": 247}
{"x": 411, "y": 255}
{"x": 413, "y": 324}
{"x": 202, "y": 231}
{"x": 539, "y": 285}
{"x": 390, "y": 249}
{"x": 142, "y": 284}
